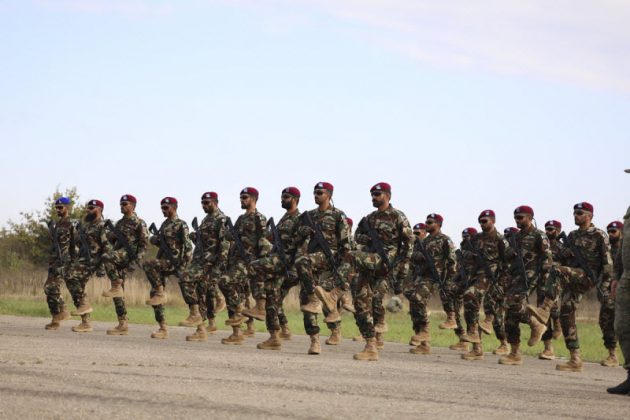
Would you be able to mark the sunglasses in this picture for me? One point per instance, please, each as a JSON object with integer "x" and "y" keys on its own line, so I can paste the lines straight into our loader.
{"x": 124, "y": 203}
{"x": 318, "y": 192}
{"x": 483, "y": 221}
{"x": 205, "y": 202}
{"x": 548, "y": 228}
{"x": 286, "y": 196}
{"x": 91, "y": 207}
{"x": 519, "y": 217}
{"x": 59, "y": 207}
{"x": 244, "y": 197}
{"x": 578, "y": 213}
{"x": 376, "y": 193}
{"x": 613, "y": 230}
{"x": 417, "y": 233}
{"x": 165, "y": 207}
{"x": 429, "y": 222}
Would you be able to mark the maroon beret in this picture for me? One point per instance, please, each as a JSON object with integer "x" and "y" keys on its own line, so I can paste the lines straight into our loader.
{"x": 487, "y": 213}
{"x": 349, "y": 220}
{"x": 509, "y": 230}
{"x": 436, "y": 217}
{"x": 614, "y": 225}
{"x": 554, "y": 223}
{"x": 209, "y": 195}
{"x": 128, "y": 197}
{"x": 324, "y": 186}
{"x": 584, "y": 206}
{"x": 524, "y": 210}
{"x": 469, "y": 231}
{"x": 420, "y": 226}
{"x": 169, "y": 200}
{"x": 381, "y": 186}
{"x": 250, "y": 190}
{"x": 291, "y": 190}
{"x": 97, "y": 203}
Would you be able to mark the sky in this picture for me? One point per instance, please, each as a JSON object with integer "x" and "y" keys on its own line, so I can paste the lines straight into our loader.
{"x": 461, "y": 106}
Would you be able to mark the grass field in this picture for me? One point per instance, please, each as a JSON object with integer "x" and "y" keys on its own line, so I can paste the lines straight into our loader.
{"x": 399, "y": 325}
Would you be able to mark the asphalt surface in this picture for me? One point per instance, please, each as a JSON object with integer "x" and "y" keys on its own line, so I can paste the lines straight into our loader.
{"x": 66, "y": 375}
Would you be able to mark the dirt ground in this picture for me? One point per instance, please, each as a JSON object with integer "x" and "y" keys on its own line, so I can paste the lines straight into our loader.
{"x": 61, "y": 374}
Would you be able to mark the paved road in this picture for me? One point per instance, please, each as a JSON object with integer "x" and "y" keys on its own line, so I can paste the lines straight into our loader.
{"x": 62, "y": 374}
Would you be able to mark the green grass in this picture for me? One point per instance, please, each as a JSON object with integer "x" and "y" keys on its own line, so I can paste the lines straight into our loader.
{"x": 591, "y": 344}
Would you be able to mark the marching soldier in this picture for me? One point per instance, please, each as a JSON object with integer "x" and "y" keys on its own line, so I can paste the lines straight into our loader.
{"x": 130, "y": 239}
{"x": 607, "y": 303}
{"x": 465, "y": 270}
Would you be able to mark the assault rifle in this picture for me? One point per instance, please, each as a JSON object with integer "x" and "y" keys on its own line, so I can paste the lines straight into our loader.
{"x": 376, "y": 245}
{"x": 462, "y": 270}
{"x": 164, "y": 249}
{"x": 319, "y": 242}
{"x": 237, "y": 241}
{"x": 581, "y": 261}
{"x": 120, "y": 238}
{"x": 198, "y": 239}
{"x": 519, "y": 260}
{"x": 278, "y": 246}
{"x": 52, "y": 229}
{"x": 85, "y": 247}
{"x": 431, "y": 263}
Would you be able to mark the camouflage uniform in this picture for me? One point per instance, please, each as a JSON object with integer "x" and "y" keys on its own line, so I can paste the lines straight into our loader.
{"x": 559, "y": 255}
{"x": 208, "y": 264}
{"x": 622, "y": 298}
{"x": 372, "y": 282}
{"x": 59, "y": 265}
{"x": 493, "y": 247}
{"x": 276, "y": 274}
{"x": 607, "y": 304}
{"x": 134, "y": 229}
{"x": 420, "y": 285}
{"x": 494, "y": 304}
{"x": 239, "y": 280}
{"x": 313, "y": 267}
{"x": 174, "y": 233}
{"x": 536, "y": 253}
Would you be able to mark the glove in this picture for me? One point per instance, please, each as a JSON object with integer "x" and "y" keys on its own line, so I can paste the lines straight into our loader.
{"x": 362, "y": 239}
{"x": 154, "y": 240}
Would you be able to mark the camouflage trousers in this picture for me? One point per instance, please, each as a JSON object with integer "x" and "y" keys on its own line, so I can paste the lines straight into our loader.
{"x": 200, "y": 287}
{"x": 157, "y": 271}
{"x": 516, "y": 299}
{"x": 273, "y": 271}
{"x": 494, "y": 304}
{"x": 622, "y": 315}
{"x": 607, "y": 318}
{"x": 78, "y": 276}
{"x": 418, "y": 291}
{"x": 237, "y": 284}
{"x": 473, "y": 298}
{"x": 52, "y": 289}
{"x": 451, "y": 295}
{"x": 369, "y": 288}
{"x": 555, "y": 313}
{"x": 118, "y": 268}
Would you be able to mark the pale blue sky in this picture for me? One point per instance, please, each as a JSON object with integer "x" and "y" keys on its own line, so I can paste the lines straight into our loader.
{"x": 459, "y": 107}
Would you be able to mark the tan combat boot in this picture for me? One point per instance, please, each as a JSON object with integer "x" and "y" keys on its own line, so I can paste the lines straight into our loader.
{"x": 312, "y": 306}
{"x": 547, "y": 353}
{"x": 514, "y": 358}
{"x": 472, "y": 336}
{"x": 369, "y": 351}
{"x": 424, "y": 334}
{"x": 542, "y": 312}
{"x": 503, "y": 349}
{"x": 450, "y": 323}
{"x": 330, "y": 299}
{"x": 358, "y": 338}
{"x": 115, "y": 291}
{"x": 199, "y": 335}
{"x": 162, "y": 332}
{"x": 415, "y": 339}
{"x": 258, "y": 311}
{"x": 83, "y": 309}
{"x": 235, "y": 338}
{"x": 212, "y": 326}
{"x": 315, "y": 348}
{"x": 121, "y": 329}
{"x": 380, "y": 342}
{"x": 423, "y": 348}
{"x": 250, "y": 331}
{"x": 335, "y": 337}
{"x": 55, "y": 323}
{"x": 237, "y": 317}
{"x": 538, "y": 329}
{"x": 475, "y": 354}
{"x": 158, "y": 298}
{"x": 272, "y": 343}
{"x": 346, "y": 302}
{"x": 573, "y": 365}
{"x": 557, "y": 329}
{"x": 219, "y": 303}
{"x": 461, "y": 345}
{"x": 84, "y": 326}
{"x": 381, "y": 327}
{"x": 285, "y": 332}
{"x": 611, "y": 360}
{"x": 194, "y": 317}
{"x": 486, "y": 325}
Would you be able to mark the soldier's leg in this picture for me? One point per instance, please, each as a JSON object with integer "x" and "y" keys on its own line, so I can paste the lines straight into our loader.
{"x": 230, "y": 287}
{"x": 52, "y": 290}
{"x": 448, "y": 295}
{"x": 192, "y": 284}
{"x": 287, "y": 284}
{"x": 363, "y": 306}
{"x": 548, "y": 335}
{"x": 622, "y": 328}
{"x": 380, "y": 288}
{"x": 77, "y": 279}
{"x": 607, "y": 325}
{"x": 472, "y": 304}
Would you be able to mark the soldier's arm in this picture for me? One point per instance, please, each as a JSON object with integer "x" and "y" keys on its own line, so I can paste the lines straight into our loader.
{"x": 607, "y": 265}
{"x": 451, "y": 258}
{"x": 142, "y": 240}
{"x": 618, "y": 263}
{"x": 406, "y": 239}
{"x": 223, "y": 248}
{"x": 342, "y": 234}
{"x": 187, "y": 248}
{"x": 545, "y": 254}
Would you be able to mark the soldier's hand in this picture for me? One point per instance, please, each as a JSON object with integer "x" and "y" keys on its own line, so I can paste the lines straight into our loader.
{"x": 362, "y": 239}
{"x": 193, "y": 236}
{"x": 154, "y": 240}
{"x": 305, "y": 231}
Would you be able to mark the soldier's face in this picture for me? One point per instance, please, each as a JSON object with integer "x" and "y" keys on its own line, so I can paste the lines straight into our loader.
{"x": 126, "y": 207}
{"x": 486, "y": 223}
{"x": 246, "y": 201}
{"x": 321, "y": 196}
{"x": 168, "y": 210}
{"x": 61, "y": 211}
{"x": 432, "y": 225}
{"x": 379, "y": 198}
{"x": 551, "y": 232}
{"x": 580, "y": 217}
{"x": 91, "y": 213}
{"x": 286, "y": 201}
{"x": 206, "y": 205}
{"x": 523, "y": 220}
{"x": 614, "y": 235}
{"x": 420, "y": 233}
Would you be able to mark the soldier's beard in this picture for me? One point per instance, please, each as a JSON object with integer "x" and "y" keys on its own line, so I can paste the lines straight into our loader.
{"x": 613, "y": 241}
{"x": 90, "y": 217}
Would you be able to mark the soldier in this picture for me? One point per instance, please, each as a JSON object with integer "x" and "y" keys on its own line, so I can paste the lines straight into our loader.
{"x": 278, "y": 267}
{"x": 247, "y": 244}
{"x": 530, "y": 258}
{"x": 172, "y": 258}
{"x": 208, "y": 264}
{"x": 130, "y": 240}
{"x": 94, "y": 250}
{"x": 63, "y": 253}
{"x": 317, "y": 263}
{"x": 590, "y": 251}
{"x": 620, "y": 291}
{"x": 387, "y": 238}
{"x": 434, "y": 264}
{"x": 488, "y": 250}
{"x": 419, "y": 231}
{"x": 559, "y": 255}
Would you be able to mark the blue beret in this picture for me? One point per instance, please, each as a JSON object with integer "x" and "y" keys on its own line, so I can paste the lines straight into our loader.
{"x": 63, "y": 200}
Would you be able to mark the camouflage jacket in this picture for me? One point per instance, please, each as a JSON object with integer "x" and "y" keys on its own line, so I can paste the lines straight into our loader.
{"x": 534, "y": 247}
{"x": 442, "y": 250}
{"x": 494, "y": 248}
{"x": 465, "y": 261}
{"x": 92, "y": 242}
{"x": 251, "y": 229}
{"x": 287, "y": 227}
{"x": 615, "y": 254}
{"x": 393, "y": 228}
{"x": 173, "y": 236}
{"x": 595, "y": 248}
{"x": 334, "y": 227}
{"x": 212, "y": 246}
{"x": 559, "y": 252}
{"x": 64, "y": 231}
{"x": 134, "y": 229}
{"x": 624, "y": 264}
